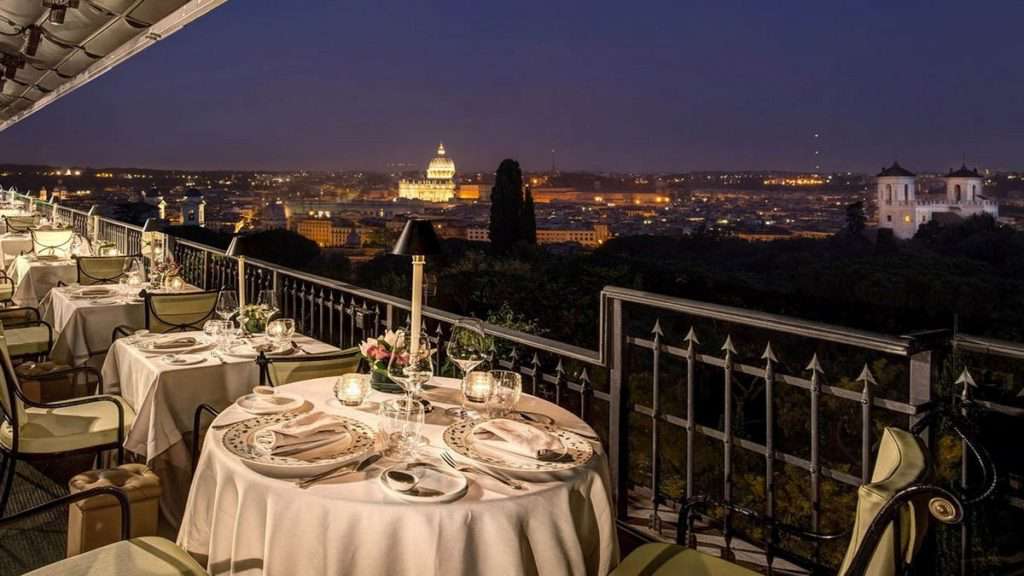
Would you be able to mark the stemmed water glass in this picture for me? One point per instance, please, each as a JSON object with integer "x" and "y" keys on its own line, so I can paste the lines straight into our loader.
{"x": 227, "y": 304}
{"x": 411, "y": 368}
{"x": 468, "y": 347}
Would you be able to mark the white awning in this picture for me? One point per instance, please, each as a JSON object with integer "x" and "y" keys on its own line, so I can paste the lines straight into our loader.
{"x": 49, "y": 60}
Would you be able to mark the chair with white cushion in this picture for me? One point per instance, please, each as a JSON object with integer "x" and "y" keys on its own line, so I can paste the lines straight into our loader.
{"x": 101, "y": 269}
{"x": 21, "y": 224}
{"x": 28, "y": 335}
{"x": 146, "y": 556}
{"x": 53, "y": 241}
{"x": 35, "y": 430}
{"x": 890, "y": 525}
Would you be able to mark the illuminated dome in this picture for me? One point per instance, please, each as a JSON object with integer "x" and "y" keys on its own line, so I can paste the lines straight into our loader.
{"x": 442, "y": 167}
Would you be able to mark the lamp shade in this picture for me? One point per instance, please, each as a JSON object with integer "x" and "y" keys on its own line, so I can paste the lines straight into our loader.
{"x": 151, "y": 225}
{"x": 235, "y": 248}
{"x": 417, "y": 239}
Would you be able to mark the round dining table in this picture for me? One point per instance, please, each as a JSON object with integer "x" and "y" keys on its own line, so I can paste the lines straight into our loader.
{"x": 238, "y": 521}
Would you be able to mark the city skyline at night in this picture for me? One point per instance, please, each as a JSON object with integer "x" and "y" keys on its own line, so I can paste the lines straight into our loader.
{"x": 670, "y": 87}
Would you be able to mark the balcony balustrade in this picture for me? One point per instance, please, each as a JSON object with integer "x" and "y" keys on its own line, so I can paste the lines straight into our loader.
{"x": 771, "y": 412}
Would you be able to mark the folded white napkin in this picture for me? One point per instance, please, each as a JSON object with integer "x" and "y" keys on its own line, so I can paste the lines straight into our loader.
{"x": 518, "y": 438}
{"x": 309, "y": 436}
{"x": 174, "y": 342}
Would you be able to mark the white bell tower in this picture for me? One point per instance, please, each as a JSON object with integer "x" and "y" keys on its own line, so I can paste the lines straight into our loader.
{"x": 964, "y": 186}
{"x": 897, "y": 200}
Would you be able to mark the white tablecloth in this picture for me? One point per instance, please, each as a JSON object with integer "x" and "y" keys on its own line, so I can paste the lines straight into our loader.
{"x": 83, "y": 328}
{"x": 242, "y": 522}
{"x": 165, "y": 399}
{"x": 34, "y": 278}
{"x": 12, "y": 245}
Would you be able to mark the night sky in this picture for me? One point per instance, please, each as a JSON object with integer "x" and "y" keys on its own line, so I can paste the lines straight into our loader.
{"x": 612, "y": 86}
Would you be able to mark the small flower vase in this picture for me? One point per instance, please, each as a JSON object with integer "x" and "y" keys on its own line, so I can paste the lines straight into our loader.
{"x": 380, "y": 382}
{"x": 253, "y": 323}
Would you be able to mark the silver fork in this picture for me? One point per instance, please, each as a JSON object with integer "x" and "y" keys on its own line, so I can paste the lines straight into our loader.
{"x": 514, "y": 484}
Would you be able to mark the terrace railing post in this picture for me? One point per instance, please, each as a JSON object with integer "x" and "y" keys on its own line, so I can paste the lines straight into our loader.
{"x": 691, "y": 412}
{"x": 620, "y": 408}
{"x": 920, "y": 393}
{"x": 206, "y": 270}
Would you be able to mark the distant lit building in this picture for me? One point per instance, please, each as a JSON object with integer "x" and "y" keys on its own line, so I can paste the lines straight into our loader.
{"x": 438, "y": 186}
{"x": 589, "y": 237}
{"x": 329, "y": 233}
{"x": 193, "y": 208}
{"x": 900, "y": 210}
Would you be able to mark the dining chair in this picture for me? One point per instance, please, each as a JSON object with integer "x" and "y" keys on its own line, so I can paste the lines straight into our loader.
{"x": 21, "y": 224}
{"x": 7, "y": 287}
{"x": 889, "y": 526}
{"x": 37, "y": 430}
{"x": 197, "y": 428}
{"x": 179, "y": 312}
{"x": 149, "y": 555}
{"x": 101, "y": 269}
{"x": 281, "y": 370}
{"x": 52, "y": 241}
{"x": 28, "y": 335}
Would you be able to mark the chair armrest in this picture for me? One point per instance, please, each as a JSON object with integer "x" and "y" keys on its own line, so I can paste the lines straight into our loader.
{"x": 72, "y": 371}
{"x": 689, "y": 507}
{"x": 122, "y": 502}
{"x": 81, "y": 402}
{"x": 122, "y": 330}
{"x": 32, "y": 312}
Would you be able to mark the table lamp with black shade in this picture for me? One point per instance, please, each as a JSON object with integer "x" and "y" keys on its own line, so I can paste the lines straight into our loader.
{"x": 418, "y": 240}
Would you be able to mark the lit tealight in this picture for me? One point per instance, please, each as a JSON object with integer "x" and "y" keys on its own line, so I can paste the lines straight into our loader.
{"x": 478, "y": 387}
{"x": 352, "y": 389}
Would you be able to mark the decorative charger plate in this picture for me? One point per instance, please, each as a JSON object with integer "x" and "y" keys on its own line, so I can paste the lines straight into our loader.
{"x": 459, "y": 437}
{"x": 237, "y": 440}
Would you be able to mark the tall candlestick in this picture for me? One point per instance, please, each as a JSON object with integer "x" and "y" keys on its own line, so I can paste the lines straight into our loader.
{"x": 241, "y": 282}
{"x": 417, "y": 302}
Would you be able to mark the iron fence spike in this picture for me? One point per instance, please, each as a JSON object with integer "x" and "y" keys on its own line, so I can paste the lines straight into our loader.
{"x": 728, "y": 347}
{"x": 815, "y": 366}
{"x": 691, "y": 337}
{"x": 769, "y": 354}
{"x": 866, "y": 377}
{"x": 657, "y": 329}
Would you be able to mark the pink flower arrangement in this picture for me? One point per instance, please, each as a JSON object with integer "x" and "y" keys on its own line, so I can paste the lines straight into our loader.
{"x": 377, "y": 351}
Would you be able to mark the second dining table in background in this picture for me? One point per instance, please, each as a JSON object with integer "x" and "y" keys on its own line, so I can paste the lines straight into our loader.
{"x": 34, "y": 277}
{"x": 165, "y": 398}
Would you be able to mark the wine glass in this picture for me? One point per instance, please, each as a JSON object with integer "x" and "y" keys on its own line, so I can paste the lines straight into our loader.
{"x": 468, "y": 347}
{"x": 227, "y": 304}
{"x": 408, "y": 367}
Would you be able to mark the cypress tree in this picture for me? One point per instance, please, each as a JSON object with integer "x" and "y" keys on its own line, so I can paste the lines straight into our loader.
{"x": 506, "y": 206}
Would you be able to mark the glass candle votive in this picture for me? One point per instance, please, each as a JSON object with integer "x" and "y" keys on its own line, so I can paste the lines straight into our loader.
{"x": 352, "y": 389}
{"x": 176, "y": 284}
{"x": 477, "y": 387}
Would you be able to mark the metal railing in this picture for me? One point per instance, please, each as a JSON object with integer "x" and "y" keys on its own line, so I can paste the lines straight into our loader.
{"x": 690, "y": 398}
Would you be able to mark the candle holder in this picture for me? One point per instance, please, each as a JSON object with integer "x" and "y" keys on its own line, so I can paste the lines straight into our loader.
{"x": 477, "y": 388}
{"x": 352, "y": 389}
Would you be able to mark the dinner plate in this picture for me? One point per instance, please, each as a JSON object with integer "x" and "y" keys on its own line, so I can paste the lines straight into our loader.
{"x": 252, "y": 349}
{"x": 262, "y": 404}
{"x": 237, "y": 440}
{"x": 436, "y": 485}
{"x": 459, "y": 438}
{"x": 148, "y": 346}
{"x": 182, "y": 359}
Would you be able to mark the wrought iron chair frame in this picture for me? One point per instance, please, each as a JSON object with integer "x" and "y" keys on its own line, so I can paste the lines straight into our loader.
{"x": 49, "y": 249}
{"x": 117, "y": 493}
{"x": 197, "y": 421}
{"x": 98, "y": 279}
{"x": 176, "y": 327}
{"x": 19, "y": 229}
{"x": 11, "y": 455}
{"x": 264, "y": 362}
{"x": 942, "y": 504}
{"x": 38, "y": 321}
